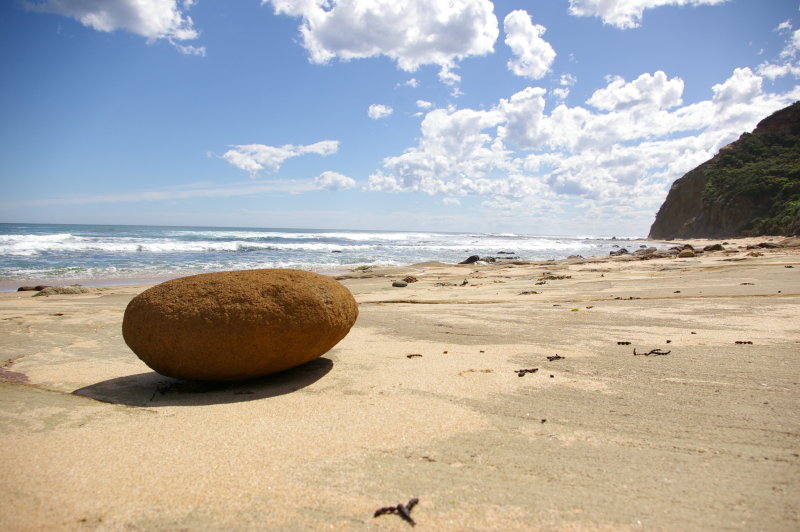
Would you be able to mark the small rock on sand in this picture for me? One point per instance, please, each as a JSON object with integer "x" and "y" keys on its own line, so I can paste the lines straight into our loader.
{"x": 714, "y": 247}
{"x": 60, "y": 290}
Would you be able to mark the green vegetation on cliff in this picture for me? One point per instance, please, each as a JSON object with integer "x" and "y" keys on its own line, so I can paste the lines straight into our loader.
{"x": 765, "y": 168}
{"x": 751, "y": 187}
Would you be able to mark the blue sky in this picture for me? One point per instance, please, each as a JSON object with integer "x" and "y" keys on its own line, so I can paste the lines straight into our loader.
{"x": 567, "y": 117}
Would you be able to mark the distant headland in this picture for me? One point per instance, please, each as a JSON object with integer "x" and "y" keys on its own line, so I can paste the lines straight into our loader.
{"x": 751, "y": 187}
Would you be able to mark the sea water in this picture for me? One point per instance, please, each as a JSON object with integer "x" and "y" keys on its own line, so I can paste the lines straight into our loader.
{"x": 109, "y": 254}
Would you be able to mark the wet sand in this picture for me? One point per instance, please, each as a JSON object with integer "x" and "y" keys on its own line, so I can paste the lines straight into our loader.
{"x": 423, "y": 399}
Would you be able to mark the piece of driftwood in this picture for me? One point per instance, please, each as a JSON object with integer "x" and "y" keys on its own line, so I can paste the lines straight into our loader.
{"x": 555, "y": 357}
{"x": 403, "y": 510}
{"x": 652, "y": 352}
{"x": 522, "y": 372}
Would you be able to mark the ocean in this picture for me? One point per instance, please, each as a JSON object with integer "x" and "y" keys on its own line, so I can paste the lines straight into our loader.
{"x": 117, "y": 254}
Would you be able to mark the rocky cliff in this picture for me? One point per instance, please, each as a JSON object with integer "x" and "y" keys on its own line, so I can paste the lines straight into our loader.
{"x": 751, "y": 187}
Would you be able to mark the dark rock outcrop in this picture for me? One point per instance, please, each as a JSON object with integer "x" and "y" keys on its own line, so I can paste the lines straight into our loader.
{"x": 714, "y": 247}
{"x": 645, "y": 251}
{"x": 37, "y": 288}
{"x": 751, "y": 187}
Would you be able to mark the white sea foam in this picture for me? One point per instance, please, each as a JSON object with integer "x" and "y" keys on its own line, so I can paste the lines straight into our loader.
{"x": 35, "y": 244}
{"x": 321, "y": 235}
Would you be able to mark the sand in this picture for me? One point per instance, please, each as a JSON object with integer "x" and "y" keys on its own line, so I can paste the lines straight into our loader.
{"x": 423, "y": 399}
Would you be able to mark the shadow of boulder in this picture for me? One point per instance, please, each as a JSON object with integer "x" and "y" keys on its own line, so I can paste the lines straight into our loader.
{"x": 153, "y": 389}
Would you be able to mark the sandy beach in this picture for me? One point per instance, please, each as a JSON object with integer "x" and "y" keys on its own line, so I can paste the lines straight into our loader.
{"x": 425, "y": 398}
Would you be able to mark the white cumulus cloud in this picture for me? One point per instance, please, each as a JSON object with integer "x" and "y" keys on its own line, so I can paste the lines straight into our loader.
{"x": 626, "y": 13}
{"x": 741, "y": 87}
{"x": 533, "y": 56}
{"x": 453, "y": 149}
{"x": 377, "y": 111}
{"x": 523, "y": 114}
{"x": 648, "y": 90}
{"x": 412, "y": 33}
{"x": 253, "y": 158}
{"x": 616, "y": 158}
{"x": 152, "y": 19}
{"x": 333, "y": 181}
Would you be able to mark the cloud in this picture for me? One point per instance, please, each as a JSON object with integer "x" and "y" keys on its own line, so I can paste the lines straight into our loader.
{"x": 377, "y": 111}
{"x": 533, "y": 56}
{"x": 423, "y": 104}
{"x": 201, "y": 190}
{"x": 567, "y": 80}
{"x": 411, "y": 33}
{"x": 652, "y": 91}
{"x": 453, "y": 154}
{"x": 523, "y": 114}
{"x": 741, "y": 87}
{"x": 615, "y": 158}
{"x": 626, "y": 13}
{"x": 188, "y": 49}
{"x": 253, "y": 158}
{"x": 152, "y": 19}
{"x": 326, "y": 181}
{"x": 333, "y": 181}
{"x": 561, "y": 93}
{"x": 787, "y": 63}
{"x": 448, "y": 77}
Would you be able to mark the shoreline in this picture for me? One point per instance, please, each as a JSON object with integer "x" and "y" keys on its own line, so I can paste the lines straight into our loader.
{"x": 63, "y": 254}
{"x": 11, "y": 285}
{"x": 7, "y": 285}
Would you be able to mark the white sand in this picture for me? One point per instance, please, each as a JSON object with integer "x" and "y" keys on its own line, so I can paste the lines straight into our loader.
{"x": 704, "y": 438}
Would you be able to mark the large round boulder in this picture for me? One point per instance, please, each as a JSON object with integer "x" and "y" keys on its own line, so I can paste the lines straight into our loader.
{"x": 237, "y": 325}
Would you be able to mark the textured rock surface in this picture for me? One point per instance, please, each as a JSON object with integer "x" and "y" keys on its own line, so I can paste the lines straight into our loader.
{"x": 62, "y": 290}
{"x": 692, "y": 210}
{"x": 237, "y": 325}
